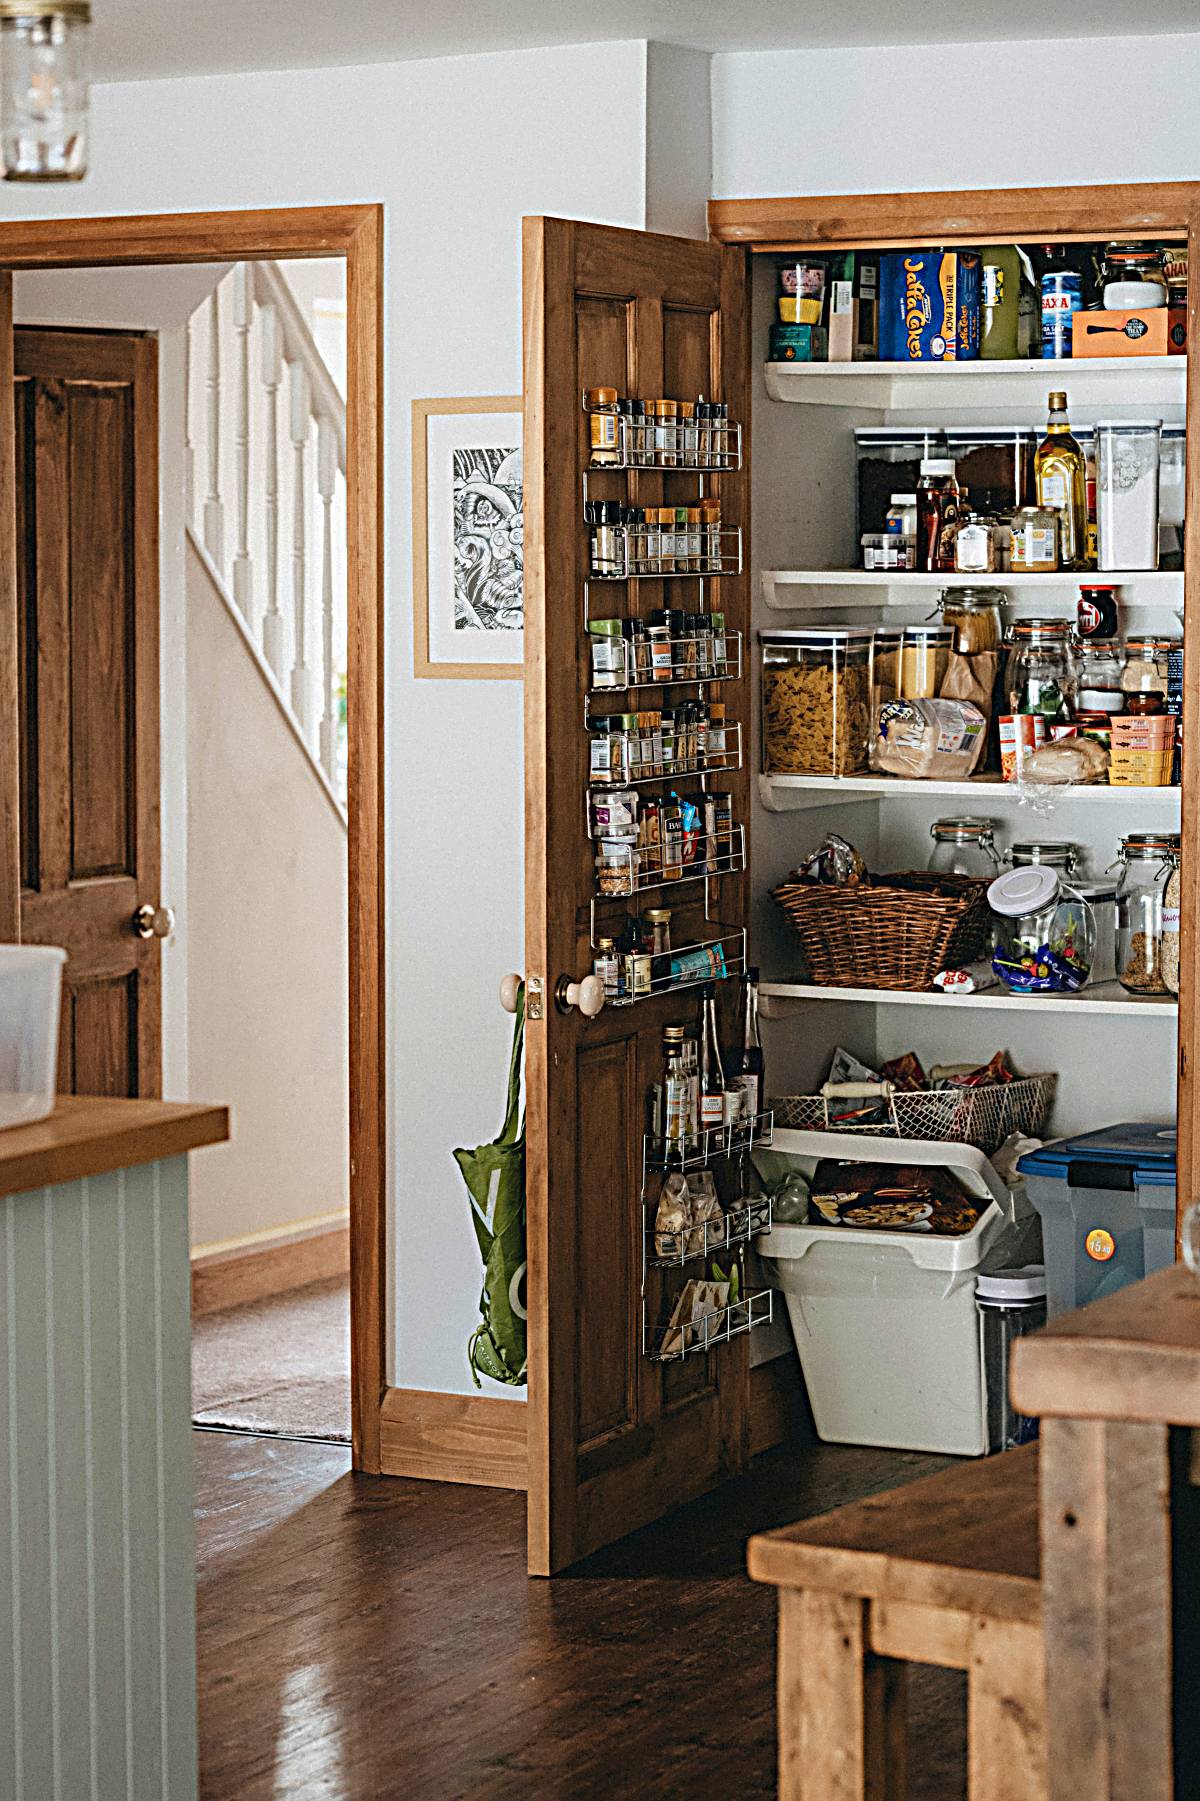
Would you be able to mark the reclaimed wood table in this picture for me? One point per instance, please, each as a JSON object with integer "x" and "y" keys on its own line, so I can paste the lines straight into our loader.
{"x": 1117, "y": 1388}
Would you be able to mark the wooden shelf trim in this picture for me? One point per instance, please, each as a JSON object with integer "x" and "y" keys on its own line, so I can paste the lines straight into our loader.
{"x": 88, "y": 1136}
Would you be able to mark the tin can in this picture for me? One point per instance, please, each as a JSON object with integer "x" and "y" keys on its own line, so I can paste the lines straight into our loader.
{"x": 1020, "y": 735}
{"x": 1062, "y": 297}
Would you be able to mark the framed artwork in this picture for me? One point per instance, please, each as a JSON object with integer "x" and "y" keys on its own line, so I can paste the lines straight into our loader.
{"x": 468, "y": 539}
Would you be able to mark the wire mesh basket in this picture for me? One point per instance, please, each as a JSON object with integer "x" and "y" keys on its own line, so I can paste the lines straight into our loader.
{"x": 983, "y": 1117}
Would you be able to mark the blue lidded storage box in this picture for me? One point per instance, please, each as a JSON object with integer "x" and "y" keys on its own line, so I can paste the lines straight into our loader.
{"x": 1107, "y": 1202}
{"x": 929, "y": 306}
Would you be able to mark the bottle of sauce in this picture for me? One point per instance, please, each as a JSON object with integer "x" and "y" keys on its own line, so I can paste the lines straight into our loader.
{"x": 1000, "y": 306}
{"x": 1060, "y": 476}
{"x": 939, "y": 503}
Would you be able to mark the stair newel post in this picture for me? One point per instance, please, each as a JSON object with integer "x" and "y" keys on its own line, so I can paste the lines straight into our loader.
{"x": 214, "y": 510}
{"x": 243, "y": 321}
{"x": 272, "y": 376}
{"x": 327, "y": 462}
{"x": 303, "y": 699}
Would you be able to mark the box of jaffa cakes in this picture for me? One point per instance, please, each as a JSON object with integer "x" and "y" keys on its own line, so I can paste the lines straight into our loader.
{"x": 929, "y": 306}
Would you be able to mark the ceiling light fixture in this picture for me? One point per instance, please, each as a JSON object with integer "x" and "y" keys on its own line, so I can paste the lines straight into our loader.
{"x": 44, "y": 89}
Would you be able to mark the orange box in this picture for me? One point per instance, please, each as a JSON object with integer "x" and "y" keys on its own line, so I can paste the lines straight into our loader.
{"x": 1147, "y": 331}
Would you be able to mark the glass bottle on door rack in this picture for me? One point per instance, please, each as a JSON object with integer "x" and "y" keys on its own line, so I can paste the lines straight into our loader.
{"x": 712, "y": 1075}
{"x": 746, "y": 1062}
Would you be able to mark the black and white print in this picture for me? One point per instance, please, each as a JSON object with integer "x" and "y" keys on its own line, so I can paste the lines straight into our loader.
{"x": 489, "y": 554}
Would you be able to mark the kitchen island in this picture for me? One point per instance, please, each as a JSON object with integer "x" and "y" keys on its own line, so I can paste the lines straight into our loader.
{"x": 97, "y": 1603}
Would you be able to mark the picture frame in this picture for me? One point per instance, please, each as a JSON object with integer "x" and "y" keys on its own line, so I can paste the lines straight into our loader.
{"x": 468, "y": 551}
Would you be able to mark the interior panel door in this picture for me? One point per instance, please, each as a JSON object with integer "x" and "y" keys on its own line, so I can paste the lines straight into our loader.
{"x": 86, "y": 479}
{"x": 615, "y": 1438}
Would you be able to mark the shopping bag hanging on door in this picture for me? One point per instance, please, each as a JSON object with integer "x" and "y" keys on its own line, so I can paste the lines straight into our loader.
{"x": 495, "y": 1177}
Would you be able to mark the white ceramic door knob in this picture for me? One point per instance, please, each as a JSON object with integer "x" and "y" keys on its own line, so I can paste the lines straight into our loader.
{"x": 510, "y": 987}
{"x": 587, "y": 995}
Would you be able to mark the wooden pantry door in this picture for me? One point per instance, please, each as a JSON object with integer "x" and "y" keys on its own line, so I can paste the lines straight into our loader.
{"x": 86, "y": 497}
{"x": 615, "y": 1439}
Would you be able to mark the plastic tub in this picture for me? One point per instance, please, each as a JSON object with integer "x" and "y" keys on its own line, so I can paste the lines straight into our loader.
{"x": 1107, "y": 1202}
{"x": 885, "y": 1323}
{"x": 30, "y": 995}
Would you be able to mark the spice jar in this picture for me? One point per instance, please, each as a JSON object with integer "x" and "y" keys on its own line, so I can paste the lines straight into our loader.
{"x": 1034, "y": 540}
{"x": 1145, "y": 669}
{"x": 665, "y": 414}
{"x": 964, "y": 846}
{"x": 608, "y": 653}
{"x": 816, "y": 698}
{"x": 1149, "y": 860}
{"x": 908, "y": 662}
{"x": 601, "y": 405}
{"x": 1099, "y": 668}
{"x": 1039, "y": 676}
{"x": 658, "y": 921}
{"x": 608, "y": 752}
{"x": 616, "y": 869}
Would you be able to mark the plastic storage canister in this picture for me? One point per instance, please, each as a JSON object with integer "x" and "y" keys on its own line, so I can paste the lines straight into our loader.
{"x": 964, "y": 846}
{"x": 1011, "y": 1302}
{"x": 816, "y": 700}
{"x": 909, "y": 662}
{"x": 1045, "y": 932}
{"x": 30, "y": 1003}
{"x": 1148, "y": 860}
{"x": 1127, "y": 453}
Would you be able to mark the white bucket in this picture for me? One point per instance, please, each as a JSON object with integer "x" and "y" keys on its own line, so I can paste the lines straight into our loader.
{"x": 30, "y": 1000}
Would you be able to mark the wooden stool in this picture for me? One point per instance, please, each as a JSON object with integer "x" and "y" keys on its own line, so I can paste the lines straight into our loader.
{"x": 943, "y": 1571}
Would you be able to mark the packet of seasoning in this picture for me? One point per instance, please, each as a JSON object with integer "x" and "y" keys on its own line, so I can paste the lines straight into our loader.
{"x": 835, "y": 862}
{"x": 690, "y": 813}
{"x": 905, "y": 1073}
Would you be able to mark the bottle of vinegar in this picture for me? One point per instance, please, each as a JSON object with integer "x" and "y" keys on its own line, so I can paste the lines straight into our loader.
{"x": 1060, "y": 476}
{"x": 746, "y": 1062}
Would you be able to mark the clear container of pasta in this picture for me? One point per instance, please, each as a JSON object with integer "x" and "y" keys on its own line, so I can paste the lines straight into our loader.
{"x": 816, "y": 700}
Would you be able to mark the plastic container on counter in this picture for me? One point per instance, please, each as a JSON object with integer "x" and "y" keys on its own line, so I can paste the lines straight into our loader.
{"x": 1107, "y": 1203}
{"x": 816, "y": 700}
{"x": 30, "y": 1003}
{"x": 885, "y": 1322}
{"x": 1011, "y": 1303}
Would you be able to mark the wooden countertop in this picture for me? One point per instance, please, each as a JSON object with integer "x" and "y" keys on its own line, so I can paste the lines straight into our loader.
{"x": 1133, "y": 1356}
{"x": 88, "y": 1136}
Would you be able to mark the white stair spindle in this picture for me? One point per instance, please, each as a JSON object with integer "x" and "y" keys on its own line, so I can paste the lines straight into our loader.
{"x": 303, "y": 700}
{"x": 326, "y": 487}
{"x": 243, "y": 320}
{"x": 189, "y": 445}
{"x": 214, "y": 510}
{"x": 272, "y": 375}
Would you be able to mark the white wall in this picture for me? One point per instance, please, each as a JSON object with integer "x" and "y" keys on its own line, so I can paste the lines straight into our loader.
{"x": 1050, "y": 112}
{"x": 457, "y": 151}
{"x": 267, "y": 1021}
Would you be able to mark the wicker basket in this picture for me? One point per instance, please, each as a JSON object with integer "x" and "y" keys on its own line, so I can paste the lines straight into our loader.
{"x": 983, "y": 1117}
{"x": 894, "y": 931}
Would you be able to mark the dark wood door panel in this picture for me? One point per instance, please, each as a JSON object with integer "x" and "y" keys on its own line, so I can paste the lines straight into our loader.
{"x": 615, "y": 1438}
{"x": 86, "y": 524}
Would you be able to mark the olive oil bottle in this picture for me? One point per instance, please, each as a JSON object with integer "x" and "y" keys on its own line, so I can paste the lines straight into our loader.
{"x": 1060, "y": 475}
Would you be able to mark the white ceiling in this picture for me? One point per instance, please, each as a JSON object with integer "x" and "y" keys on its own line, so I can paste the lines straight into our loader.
{"x": 145, "y": 39}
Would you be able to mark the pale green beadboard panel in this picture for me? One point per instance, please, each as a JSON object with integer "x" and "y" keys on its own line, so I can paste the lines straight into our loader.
{"x": 66, "y": 1340}
{"x": 142, "y": 1389}
{"x": 177, "y": 1477}
{"x": 8, "y": 1524}
{"x": 31, "y": 1484}
{"x": 106, "y": 1499}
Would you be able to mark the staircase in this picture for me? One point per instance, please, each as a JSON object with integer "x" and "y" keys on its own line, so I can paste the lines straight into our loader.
{"x": 268, "y": 518}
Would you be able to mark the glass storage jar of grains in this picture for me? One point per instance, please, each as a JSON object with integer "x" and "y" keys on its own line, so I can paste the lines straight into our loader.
{"x": 1147, "y": 929}
{"x": 816, "y": 700}
{"x": 964, "y": 846}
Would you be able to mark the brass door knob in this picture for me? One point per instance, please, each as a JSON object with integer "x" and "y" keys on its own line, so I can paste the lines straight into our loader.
{"x": 153, "y": 922}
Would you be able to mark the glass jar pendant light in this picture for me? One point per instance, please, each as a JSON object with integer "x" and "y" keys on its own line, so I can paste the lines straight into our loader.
{"x": 44, "y": 89}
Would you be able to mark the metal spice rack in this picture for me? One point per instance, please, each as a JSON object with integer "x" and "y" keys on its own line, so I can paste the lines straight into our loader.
{"x": 636, "y": 446}
{"x": 714, "y": 959}
{"x": 723, "y": 761}
{"x": 725, "y": 668}
{"x": 670, "y": 1344}
{"x": 723, "y": 556}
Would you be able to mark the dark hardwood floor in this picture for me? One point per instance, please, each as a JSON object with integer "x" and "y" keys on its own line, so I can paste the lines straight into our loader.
{"x": 363, "y": 1638}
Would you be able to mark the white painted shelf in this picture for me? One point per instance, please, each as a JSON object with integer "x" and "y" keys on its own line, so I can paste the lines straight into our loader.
{"x": 796, "y": 590}
{"x": 782, "y": 999}
{"x": 1090, "y": 381}
{"x": 788, "y": 793}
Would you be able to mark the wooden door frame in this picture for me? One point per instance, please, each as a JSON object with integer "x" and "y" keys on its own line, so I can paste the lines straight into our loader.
{"x": 994, "y": 215}
{"x": 356, "y": 233}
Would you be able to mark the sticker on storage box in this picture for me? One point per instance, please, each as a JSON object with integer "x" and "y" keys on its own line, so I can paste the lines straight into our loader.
{"x": 1100, "y": 1245}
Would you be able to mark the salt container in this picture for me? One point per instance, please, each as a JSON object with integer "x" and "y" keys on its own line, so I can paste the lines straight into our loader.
{"x": 1127, "y": 456}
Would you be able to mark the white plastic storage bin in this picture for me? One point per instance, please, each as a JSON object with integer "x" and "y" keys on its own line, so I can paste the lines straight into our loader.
{"x": 30, "y": 996}
{"x": 885, "y": 1322}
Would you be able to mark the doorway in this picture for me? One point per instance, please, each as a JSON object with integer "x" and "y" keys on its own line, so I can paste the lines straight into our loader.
{"x": 355, "y": 233}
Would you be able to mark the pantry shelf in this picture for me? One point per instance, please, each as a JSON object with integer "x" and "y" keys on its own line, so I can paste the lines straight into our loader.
{"x": 798, "y": 590}
{"x": 791, "y": 793}
{"x": 1090, "y": 381}
{"x": 780, "y": 1000}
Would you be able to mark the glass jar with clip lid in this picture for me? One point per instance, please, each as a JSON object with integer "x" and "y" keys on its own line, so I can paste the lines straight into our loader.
{"x": 1147, "y": 928}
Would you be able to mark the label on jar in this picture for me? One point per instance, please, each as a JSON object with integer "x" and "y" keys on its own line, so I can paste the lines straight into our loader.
{"x": 1170, "y": 919}
{"x": 604, "y": 431}
{"x": 1034, "y": 545}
